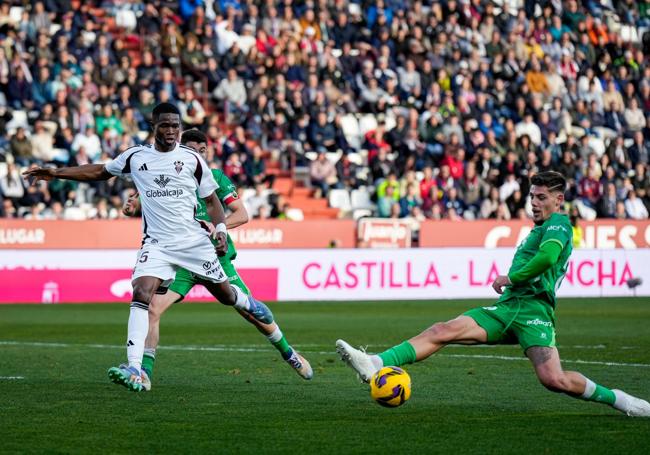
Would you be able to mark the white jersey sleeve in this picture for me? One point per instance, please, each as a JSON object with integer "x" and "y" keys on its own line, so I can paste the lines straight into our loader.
{"x": 204, "y": 179}
{"x": 122, "y": 164}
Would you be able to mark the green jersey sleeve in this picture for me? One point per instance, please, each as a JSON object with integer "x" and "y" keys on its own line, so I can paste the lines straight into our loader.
{"x": 541, "y": 261}
{"x": 227, "y": 192}
{"x": 557, "y": 229}
{"x": 548, "y": 254}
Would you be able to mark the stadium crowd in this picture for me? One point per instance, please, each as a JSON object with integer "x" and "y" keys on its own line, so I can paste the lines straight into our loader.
{"x": 439, "y": 109}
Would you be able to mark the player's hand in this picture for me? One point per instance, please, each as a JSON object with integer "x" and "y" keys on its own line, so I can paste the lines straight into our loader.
{"x": 39, "y": 173}
{"x": 209, "y": 228}
{"x": 131, "y": 204}
{"x": 222, "y": 244}
{"x": 500, "y": 282}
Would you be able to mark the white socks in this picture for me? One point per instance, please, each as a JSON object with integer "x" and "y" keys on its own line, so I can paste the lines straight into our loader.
{"x": 590, "y": 388}
{"x": 138, "y": 328}
{"x": 275, "y": 336}
{"x": 241, "y": 302}
{"x": 377, "y": 362}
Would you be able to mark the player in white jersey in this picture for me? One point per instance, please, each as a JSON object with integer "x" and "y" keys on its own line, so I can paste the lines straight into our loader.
{"x": 168, "y": 176}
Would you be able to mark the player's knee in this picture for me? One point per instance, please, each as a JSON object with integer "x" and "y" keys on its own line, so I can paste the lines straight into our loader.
{"x": 143, "y": 293}
{"x": 555, "y": 382}
{"x": 154, "y": 313}
{"x": 441, "y": 332}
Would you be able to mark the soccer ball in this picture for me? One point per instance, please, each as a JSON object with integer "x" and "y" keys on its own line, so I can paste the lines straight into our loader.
{"x": 390, "y": 387}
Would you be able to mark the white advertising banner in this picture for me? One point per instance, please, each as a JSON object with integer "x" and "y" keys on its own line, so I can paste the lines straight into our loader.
{"x": 353, "y": 274}
{"x": 439, "y": 273}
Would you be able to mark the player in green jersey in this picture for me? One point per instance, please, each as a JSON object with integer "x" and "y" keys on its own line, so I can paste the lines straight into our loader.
{"x": 184, "y": 281}
{"x": 524, "y": 314}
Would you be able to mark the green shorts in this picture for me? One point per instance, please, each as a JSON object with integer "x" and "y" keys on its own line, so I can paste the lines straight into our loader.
{"x": 527, "y": 321}
{"x": 186, "y": 280}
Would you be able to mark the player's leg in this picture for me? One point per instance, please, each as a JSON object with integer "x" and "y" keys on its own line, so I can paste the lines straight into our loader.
{"x": 276, "y": 337}
{"x": 152, "y": 267}
{"x": 130, "y": 375}
{"x": 200, "y": 259}
{"x": 159, "y": 304}
{"x": 183, "y": 282}
{"x": 463, "y": 329}
{"x": 271, "y": 331}
{"x": 232, "y": 295}
{"x": 548, "y": 368}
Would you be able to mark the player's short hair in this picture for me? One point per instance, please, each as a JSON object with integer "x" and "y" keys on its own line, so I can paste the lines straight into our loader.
{"x": 552, "y": 180}
{"x": 193, "y": 135}
{"x": 164, "y": 108}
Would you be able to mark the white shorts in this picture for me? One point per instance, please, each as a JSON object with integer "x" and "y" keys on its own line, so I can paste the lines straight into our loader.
{"x": 197, "y": 256}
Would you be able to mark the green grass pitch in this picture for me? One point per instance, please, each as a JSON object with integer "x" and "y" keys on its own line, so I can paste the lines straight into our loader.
{"x": 219, "y": 387}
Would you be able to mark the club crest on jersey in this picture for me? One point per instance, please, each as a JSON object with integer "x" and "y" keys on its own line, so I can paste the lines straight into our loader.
{"x": 178, "y": 165}
{"x": 162, "y": 181}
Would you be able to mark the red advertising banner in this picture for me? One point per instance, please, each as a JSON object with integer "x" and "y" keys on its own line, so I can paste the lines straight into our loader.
{"x": 126, "y": 234}
{"x": 371, "y": 232}
{"x": 601, "y": 234}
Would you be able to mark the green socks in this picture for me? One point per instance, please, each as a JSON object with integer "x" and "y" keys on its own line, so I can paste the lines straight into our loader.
{"x": 398, "y": 355}
{"x": 148, "y": 360}
{"x": 280, "y": 343}
{"x": 598, "y": 393}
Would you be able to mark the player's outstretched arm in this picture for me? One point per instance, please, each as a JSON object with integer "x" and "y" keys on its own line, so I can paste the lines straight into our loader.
{"x": 238, "y": 214}
{"x": 85, "y": 173}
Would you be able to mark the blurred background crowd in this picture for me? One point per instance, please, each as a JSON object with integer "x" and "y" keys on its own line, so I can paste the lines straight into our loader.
{"x": 391, "y": 108}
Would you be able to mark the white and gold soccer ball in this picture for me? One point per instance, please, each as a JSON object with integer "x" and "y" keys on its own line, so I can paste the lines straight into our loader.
{"x": 390, "y": 387}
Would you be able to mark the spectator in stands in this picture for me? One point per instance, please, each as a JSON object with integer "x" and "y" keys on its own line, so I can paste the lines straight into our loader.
{"x": 410, "y": 200}
{"x": 192, "y": 111}
{"x": 634, "y": 207}
{"x": 12, "y": 186}
{"x": 386, "y": 201}
{"x": 232, "y": 92}
{"x": 347, "y": 172}
{"x": 322, "y": 174}
{"x": 459, "y": 77}
{"x": 322, "y": 133}
{"x": 607, "y": 204}
{"x": 639, "y": 151}
{"x": 20, "y": 147}
{"x": 43, "y": 142}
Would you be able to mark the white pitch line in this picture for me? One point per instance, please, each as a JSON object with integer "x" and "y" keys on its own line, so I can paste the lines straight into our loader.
{"x": 583, "y": 362}
{"x": 10, "y": 378}
{"x": 231, "y": 348}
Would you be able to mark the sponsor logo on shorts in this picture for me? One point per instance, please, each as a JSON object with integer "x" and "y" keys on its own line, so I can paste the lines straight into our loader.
{"x": 164, "y": 193}
{"x": 538, "y": 321}
{"x": 213, "y": 268}
{"x": 490, "y": 308}
{"x": 219, "y": 277}
{"x": 207, "y": 265}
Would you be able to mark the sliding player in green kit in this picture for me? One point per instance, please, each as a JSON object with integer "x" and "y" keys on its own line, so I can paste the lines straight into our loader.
{"x": 184, "y": 281}
{"x": 525, "y": 312}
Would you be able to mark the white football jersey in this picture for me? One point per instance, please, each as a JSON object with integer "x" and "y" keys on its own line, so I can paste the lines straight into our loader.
{"x": 168, "y": 184}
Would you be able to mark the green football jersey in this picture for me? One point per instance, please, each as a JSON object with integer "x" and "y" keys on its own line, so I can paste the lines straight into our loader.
{"x": 543, "y": 287}
{"x": 226, "y": 193}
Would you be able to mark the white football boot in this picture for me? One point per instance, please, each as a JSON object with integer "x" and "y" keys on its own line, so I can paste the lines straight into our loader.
{"x": 356, "y": 359}
{"x": 631, "y": 406}
{"x": 146, "y": 382}
{"x": 301, "y": 365}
